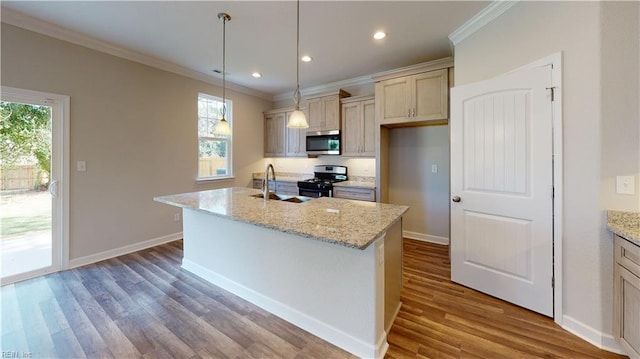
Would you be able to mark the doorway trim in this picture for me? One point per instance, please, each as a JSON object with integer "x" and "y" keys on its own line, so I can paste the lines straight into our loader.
{"x": 555, "y": 60}
{"x": 60, "y": 132}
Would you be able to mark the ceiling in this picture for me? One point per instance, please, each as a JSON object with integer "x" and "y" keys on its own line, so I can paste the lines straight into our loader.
{"x": 261, "y": 35}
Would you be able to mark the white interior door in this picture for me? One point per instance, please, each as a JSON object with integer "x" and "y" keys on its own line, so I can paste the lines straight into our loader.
{"x": 502, "y": 188}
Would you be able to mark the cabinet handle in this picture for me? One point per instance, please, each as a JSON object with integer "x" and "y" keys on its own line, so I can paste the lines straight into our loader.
{"x": 409, "y": 113}
{"x": 413, "y": 112}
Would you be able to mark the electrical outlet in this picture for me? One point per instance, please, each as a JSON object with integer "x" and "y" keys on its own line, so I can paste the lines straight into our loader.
{"x": 176, "y": 217}
{"x": 81, "y": 166}
{"x": 625, "y": 185}
{"x": 434, "y": 168}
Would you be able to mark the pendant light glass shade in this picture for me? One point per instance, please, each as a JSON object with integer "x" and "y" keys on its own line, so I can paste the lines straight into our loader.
{"x": 223, "y": 127}
{"x": 297, "y": 119}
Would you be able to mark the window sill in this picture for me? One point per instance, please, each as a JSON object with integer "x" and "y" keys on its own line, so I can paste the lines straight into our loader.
{"x": 214, "y": 179}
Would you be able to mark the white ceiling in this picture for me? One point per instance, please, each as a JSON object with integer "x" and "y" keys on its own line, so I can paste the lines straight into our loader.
{"x": 261, "y": 34}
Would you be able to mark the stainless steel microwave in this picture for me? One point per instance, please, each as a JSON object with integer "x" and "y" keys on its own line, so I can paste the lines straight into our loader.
{"x": 323, "y": 143}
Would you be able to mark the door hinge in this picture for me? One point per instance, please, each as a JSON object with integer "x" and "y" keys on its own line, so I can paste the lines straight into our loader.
{"x": 553, "y": 91}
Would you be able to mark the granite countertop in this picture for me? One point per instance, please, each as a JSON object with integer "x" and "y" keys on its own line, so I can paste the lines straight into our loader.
{"x": 625, "y": 224}
{"x": 349, "y": 223}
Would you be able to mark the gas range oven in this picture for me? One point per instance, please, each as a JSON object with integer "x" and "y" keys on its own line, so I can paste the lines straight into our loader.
{"x": 322, "y": 183}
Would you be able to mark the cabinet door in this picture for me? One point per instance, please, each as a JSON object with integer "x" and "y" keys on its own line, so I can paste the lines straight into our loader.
{"x": 393, "y": 97}
{"x": 274, "y": 135}
{"x": 287, "y": 188}
{"x": 429, "y": 96}
{"x": 351, "y": 128}
{"x": 316, "y": 114}
{"x": 368, "y": 147}
{"x": 627, "y": 310}
{"x": 331, "y": 106}
{"x": 360, "y": 194}
{"x": 295, "y": 139}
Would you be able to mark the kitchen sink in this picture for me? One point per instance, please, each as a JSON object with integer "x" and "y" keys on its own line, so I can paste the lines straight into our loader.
{"x": 284, "y": 198}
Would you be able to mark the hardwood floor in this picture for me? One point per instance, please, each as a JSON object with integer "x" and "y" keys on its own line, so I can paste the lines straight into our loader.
{"x": 143, "y": 305}
{"x": 440, "y": 319}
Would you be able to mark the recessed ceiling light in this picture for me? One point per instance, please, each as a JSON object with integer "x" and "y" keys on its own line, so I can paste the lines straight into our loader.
{"x": 256, "y": 74}
{"x": 306, "y": 58}
{"x": 379, "y": 35}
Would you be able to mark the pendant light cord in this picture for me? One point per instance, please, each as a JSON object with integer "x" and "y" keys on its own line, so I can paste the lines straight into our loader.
{"x": 296, "y": 95}
{"x": 224, "y": 67}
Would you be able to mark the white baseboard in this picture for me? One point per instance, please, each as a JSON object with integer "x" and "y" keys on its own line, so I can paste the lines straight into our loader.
{"x": 601, "y": 340}
{"x": 425, "y": 237}
{"x": 314, "y": 326}
{"x": 78, "y": 262}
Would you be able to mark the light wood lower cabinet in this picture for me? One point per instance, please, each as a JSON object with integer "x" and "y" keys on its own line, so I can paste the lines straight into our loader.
{"x": 288, "y": 188}
{"x": 626, "y": 319}
{"x": 280, "y": 187}
{"x": 360, "y": 194}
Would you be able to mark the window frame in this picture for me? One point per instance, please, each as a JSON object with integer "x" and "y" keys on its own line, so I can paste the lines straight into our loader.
{"x": 229, "y": 140}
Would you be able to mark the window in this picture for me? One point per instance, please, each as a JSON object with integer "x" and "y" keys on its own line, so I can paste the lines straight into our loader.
{"x": 214, "y": 159}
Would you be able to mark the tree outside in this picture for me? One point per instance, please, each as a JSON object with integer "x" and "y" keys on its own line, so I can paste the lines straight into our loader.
{"x": 25, "y": 141}
{"x": 25, "y": 136}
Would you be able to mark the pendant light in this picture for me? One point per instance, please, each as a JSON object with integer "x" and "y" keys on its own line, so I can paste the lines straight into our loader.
{"x": 223, "y": 128}
{"x": 297, "y": 119}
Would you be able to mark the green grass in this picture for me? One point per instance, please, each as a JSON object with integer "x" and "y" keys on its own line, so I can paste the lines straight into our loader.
{"x": 15, "y": 226}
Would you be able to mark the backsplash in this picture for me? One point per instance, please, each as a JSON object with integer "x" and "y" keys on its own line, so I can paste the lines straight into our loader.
{"x": 356, "y": 167}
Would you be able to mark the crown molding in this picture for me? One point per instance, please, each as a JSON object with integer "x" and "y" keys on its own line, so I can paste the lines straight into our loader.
{"x": 370, "y": 79}
{"x": 325, "y": 88}
{"x": 27, "y": 22}
{"x": 479, "y": 20}
{"x": 414, "y": 69}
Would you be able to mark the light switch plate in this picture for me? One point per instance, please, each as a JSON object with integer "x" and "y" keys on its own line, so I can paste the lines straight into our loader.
{"x": 81, "y": 166}
{"x": 625, "y": 185}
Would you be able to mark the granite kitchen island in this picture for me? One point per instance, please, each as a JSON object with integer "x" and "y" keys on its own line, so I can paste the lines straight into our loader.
{"x": 330, "y": 266}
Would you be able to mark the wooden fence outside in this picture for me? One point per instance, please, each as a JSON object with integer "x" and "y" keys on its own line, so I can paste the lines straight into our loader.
{"x": 212, "y": 166}
{"x": 23, "y": 177}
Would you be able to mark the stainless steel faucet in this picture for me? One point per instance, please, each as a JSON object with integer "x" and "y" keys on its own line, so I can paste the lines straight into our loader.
{"x": 265, "y": 181}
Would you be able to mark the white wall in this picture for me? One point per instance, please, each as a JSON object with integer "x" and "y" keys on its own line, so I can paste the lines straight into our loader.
{"x": 136, "y": 127}
{"x": 593, "y": 122}
{"x": 412, "y": 152}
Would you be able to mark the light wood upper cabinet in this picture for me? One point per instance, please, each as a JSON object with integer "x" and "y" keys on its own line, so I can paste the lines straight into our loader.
{"x": 415, "y": 98}
{"x": 274, "y": 134}
{"x": 281, "y": 141}
{"x": 358, "y": 127}
{"x": 324, "y": 111}
{"x": 626, "y": 318}
{"x": 296, "y": 139}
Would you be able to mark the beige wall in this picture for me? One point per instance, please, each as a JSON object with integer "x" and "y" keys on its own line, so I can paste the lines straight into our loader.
{"x": 592, "y": 122}
{"x": 412, "y": 152}
{"x": 620, "y": 73}
{"x": 136, "y": 128}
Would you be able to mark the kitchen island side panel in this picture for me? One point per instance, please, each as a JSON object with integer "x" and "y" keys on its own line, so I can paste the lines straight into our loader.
{"x": 332, "y": 291}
